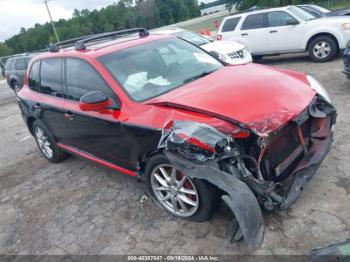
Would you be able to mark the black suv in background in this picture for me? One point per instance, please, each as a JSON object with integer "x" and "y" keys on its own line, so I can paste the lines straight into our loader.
{"x": 15, "y": 69}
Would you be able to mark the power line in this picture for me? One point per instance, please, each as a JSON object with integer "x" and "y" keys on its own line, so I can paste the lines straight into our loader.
{"x": 53, "y": 25}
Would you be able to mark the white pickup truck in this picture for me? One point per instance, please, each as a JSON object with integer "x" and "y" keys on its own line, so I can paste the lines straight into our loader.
{"x": 287, "y": 30}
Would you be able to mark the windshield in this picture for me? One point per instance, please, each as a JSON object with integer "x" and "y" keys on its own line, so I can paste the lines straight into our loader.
{"x": 193, "y": 38}
{"x": 301, "y": 13}
{"x": 320, "y": 9}
{"x": 155, "y": 68}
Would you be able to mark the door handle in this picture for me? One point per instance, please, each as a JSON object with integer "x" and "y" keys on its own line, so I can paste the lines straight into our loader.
{"x": 273, "y": 31}
{"x": 69, "y": 115}
{"x": 245, "y": 34}
{"x": 37, "y": 106}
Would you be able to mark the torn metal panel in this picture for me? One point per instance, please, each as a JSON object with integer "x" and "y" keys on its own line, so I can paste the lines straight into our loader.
{"x": 193, "y": 141}
{"x": 238, "y": 197}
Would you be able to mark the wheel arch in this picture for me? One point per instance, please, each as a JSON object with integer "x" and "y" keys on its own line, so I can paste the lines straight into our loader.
{"x": 320, "y": 35}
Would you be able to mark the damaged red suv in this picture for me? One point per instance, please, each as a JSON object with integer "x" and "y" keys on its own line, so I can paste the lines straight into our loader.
{"x": 161, "y": 109}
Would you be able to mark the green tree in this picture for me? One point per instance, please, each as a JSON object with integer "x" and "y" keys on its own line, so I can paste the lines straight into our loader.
{"x": 5, "y": 50}
{"x": 121, "y": 15}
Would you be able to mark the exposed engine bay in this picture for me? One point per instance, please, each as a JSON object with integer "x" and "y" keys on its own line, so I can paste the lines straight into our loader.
{"x": 254, "y": 170}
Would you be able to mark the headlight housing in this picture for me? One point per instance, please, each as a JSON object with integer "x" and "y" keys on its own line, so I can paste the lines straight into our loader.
{"x": 317, "y": 86}
{"x": 346, "y": 26}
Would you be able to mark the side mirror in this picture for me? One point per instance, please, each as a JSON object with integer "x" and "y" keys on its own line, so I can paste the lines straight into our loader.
{"x": 292, "y": 22}
{"x": 94, "y": 101}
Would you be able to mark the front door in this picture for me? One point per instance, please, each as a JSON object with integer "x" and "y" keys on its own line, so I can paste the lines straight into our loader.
{"x": 100, "y": 134}
{"x": 284, "y": 33}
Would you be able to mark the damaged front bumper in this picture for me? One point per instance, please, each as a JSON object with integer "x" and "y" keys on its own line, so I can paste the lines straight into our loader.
{"x": 202, "y": 152}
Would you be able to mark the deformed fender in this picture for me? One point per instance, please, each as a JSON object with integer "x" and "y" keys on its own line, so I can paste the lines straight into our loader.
{"x": 239, "y": 198}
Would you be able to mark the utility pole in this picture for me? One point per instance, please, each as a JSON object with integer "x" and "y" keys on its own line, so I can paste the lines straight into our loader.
{"x": 53, "y": 25}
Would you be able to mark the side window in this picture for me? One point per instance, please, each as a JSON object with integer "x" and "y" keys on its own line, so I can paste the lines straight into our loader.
{"x": 254, "y": 22}
{"x": 82, "y": 79}
{"x": 9, "y": 64}
{"x": 51, "y": 77}
{"x": 33, "y": 78}
{"x": 280, "y": 19}
{"x": 230, "y": 24}
{"x": 20, "y": 64}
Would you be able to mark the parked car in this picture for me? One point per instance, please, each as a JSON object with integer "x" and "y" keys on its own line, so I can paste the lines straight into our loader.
{"x": 15, "y": 69}
{"x": 287, "y": 30}
{"x": 319, "y": 11}
{"x": 347, "y": 61}
{"x": 159, "y": 108}
{"x": 231, "y": 52}
{"x": 2, "y": 67}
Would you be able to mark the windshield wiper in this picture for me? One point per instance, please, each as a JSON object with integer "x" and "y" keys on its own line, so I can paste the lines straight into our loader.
{"x": 192, "y": 78}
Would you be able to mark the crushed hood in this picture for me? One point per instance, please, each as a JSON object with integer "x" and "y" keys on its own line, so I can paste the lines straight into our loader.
{"x": 261, "y": 98}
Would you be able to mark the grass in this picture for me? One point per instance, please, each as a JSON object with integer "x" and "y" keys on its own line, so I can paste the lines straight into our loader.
{"x": 336, "y": 4}
{"x": 207, "y": 24}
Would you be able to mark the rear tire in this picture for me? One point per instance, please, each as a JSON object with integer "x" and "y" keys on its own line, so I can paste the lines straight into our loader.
{"x": 204, "y": 194}
{"x": 47, "y": 144}
{"x": 323, "y": 49}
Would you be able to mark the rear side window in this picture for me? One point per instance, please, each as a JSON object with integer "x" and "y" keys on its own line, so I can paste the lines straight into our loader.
{"x": 230, "y": 24}
{"x": 254, "y": 22}
{"x": 9, "y": 64}
{"x": 33, "y": 78}
{"x": 82, "y": 79}
{"x": 51, "y": 77}
{"x": 21, "y": 64}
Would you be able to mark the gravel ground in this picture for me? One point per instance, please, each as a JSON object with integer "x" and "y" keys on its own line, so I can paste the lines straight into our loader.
{"x": 78, "y": 208}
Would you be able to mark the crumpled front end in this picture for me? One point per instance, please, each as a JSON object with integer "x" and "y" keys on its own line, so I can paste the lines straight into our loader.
{"x": 254, "y": 170}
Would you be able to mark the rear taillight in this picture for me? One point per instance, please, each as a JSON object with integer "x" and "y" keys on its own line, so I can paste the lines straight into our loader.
{"x": 219, "y": 37}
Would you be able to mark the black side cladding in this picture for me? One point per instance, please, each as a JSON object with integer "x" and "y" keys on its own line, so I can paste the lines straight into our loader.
{"x": 238, "y": 197}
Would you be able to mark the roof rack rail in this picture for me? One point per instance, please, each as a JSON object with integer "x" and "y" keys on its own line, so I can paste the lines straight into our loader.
{"x": 80, "y": 44}
{"x": 55, "y": 47}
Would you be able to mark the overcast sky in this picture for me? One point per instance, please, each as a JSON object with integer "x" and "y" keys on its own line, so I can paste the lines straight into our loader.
{"x": 15, "y": 14}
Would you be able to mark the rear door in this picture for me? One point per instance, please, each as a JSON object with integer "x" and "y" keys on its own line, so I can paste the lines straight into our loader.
{"x": 285, "y": 33}
{"x": 228, "y": 30}
{"x": 254, "y": 31}
{"x": 45, "y": 79}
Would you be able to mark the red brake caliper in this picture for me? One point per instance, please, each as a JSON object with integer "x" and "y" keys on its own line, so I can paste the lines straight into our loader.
{"x": 187, "y": 185}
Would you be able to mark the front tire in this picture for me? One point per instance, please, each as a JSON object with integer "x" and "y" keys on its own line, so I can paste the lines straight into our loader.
{"x": 323, "y": 49}
{"x": 182, "y": 196}
{"x": 15, "y": 86}
{"x": 46, "y": 144}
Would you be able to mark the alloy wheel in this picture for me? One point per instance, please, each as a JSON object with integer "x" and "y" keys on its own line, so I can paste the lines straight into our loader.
{"x": 43, "y": 142}
{"x": 175, "y": 191}
{"x": 322, "y": 49}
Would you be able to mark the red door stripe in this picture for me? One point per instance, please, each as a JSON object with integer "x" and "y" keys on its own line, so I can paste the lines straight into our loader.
{"x": 97, "y": 160}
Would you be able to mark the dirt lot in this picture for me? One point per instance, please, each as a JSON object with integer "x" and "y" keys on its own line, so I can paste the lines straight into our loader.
{"x": 78, "y": 208}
